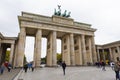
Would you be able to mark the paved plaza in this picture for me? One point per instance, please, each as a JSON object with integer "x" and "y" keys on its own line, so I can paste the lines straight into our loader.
{"x": 9, "y": 75}
{"x": 72, "y": 73}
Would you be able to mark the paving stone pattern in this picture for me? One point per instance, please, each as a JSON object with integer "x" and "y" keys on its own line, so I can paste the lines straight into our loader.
{"x": 9, "y": 75}
{"x": 72, "y": 73}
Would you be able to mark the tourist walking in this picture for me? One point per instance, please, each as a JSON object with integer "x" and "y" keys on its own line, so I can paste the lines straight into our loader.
{"x": 9, "y": 67}
{"x": 63, "y": 67}
{"x": 2, "y": 68}
{"x": 103, "y": 66}
{"x": 112, "y": 65}
{"x": 25, "y": 67}
{"x": 32, "y": 67}
{"x": 117, "y": 69}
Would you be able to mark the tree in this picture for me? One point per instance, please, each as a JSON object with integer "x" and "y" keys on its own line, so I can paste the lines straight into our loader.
{"x": 43, "y": 60}
{"x": 7, "y": 57}
{"x": 25, "y": 61}
{"x": 59, "y": 58}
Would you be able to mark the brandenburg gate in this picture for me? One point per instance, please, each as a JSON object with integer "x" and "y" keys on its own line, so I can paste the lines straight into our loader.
{"x": 78, "y": 46}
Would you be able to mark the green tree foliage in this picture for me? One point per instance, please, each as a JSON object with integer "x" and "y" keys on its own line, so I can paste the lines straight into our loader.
{"x": 43, "y": 60}
{"x": 7, "y": 57}
{"x": 25, "y": 60}
{"x": 59, "y": 57}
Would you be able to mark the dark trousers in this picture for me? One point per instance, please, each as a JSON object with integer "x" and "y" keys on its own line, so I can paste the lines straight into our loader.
{"x": 32, "y": 69}
{"x": 117, "y": 75}
{"x": 64, "y": 71}
{"x": 25, "y": 69}
{"x": 2, "y": 71}
{"x": 8, "y": 69}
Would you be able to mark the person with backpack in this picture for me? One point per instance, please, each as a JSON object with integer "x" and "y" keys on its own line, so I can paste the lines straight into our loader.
{"x": 63, "y": 66}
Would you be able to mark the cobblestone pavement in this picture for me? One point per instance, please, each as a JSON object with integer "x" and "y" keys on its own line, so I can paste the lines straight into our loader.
{"x": 72, "y": 73}
{"x": 9, "y": 75}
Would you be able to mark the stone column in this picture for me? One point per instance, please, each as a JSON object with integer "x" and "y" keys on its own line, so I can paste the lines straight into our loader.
{"x": 66, "y": 49}
{"x": 118, "y": 49}
{"x": 0, "y": 51}
{"x": 54, "y": 45}
{"x": 11, "y": 54}
{"x": 37, "y": 48}
{"x": 63, "y": 54}
{"x": 0, "y": 43}
{"x": 98, "y": 54}
{"x": 21, "y": 47}
{"x": 94, "y": 50}
{"x": 84, "y": 50}
{"x": 78, "y": 52}
{"x": 103, "y": 52}
{"x": 72, "y": 52}
{"x": 15, "y": 55}
{"x": 111, "y": 56}
{"x": 51, "y": 49}
{"x": 90, "y": 50}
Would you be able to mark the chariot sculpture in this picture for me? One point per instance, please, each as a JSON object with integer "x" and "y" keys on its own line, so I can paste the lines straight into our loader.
{"x": 58, "y": 12}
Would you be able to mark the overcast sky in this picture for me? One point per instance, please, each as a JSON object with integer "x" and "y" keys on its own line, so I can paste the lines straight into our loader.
{"x": 103, "y": 15}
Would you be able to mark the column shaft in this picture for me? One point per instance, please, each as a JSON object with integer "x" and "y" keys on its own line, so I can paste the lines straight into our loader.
{"x": 118, "y": 49}
{"x": 63, "y": 54}
{"x": 72, "y": 52}
{"x": 15, "y": 55}
{"x": 94, "y": 50}
{"x": 79, "y": 53}
{"x": 11, "y": 54}
{"x": 84, "y": 50}
{"x": 90, "y": 50}
{"x": 37, "y": 50}
{"x": 111, "y": 56}
{"x": 21, "y": 47}
{"x": 54, "y": 58}
{"x": 98, "y": 54}
{"x": 66, "y": 49}
{"x": 103, "y": 55}
{"x": 49, "y": 50}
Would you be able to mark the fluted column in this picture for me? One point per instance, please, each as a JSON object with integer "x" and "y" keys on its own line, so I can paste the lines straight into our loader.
{"x": 0, "y": 43}
{"x": 66, "y": 49}
{"x": 54, "y": 45}
{"x": 15, "y": 55}
{"x": 0, "y": 51}
{"x": 103, "y": 52}
{"x": 72, "y": 52}
{"x": 84, "y": 50}
{"x": 98, "y": 54}
{"x": 90, "y": 50}
{"x": 80, "y": 51}
{"x": 49, "y": 51}
{"x": 118, "y": 49}
{"x": 37, "y": 48}
{"x": 11, "y": 53}
{"x": 63, "y": 54}
{"x": 94, "y": 50}
{"x": 111, "y": 56}
{"x": 21, "y": 47}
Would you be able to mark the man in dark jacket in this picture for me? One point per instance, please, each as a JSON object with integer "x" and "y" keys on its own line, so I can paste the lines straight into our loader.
{"x": 25, "y": 67}
{"x": 63, "y": 66}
